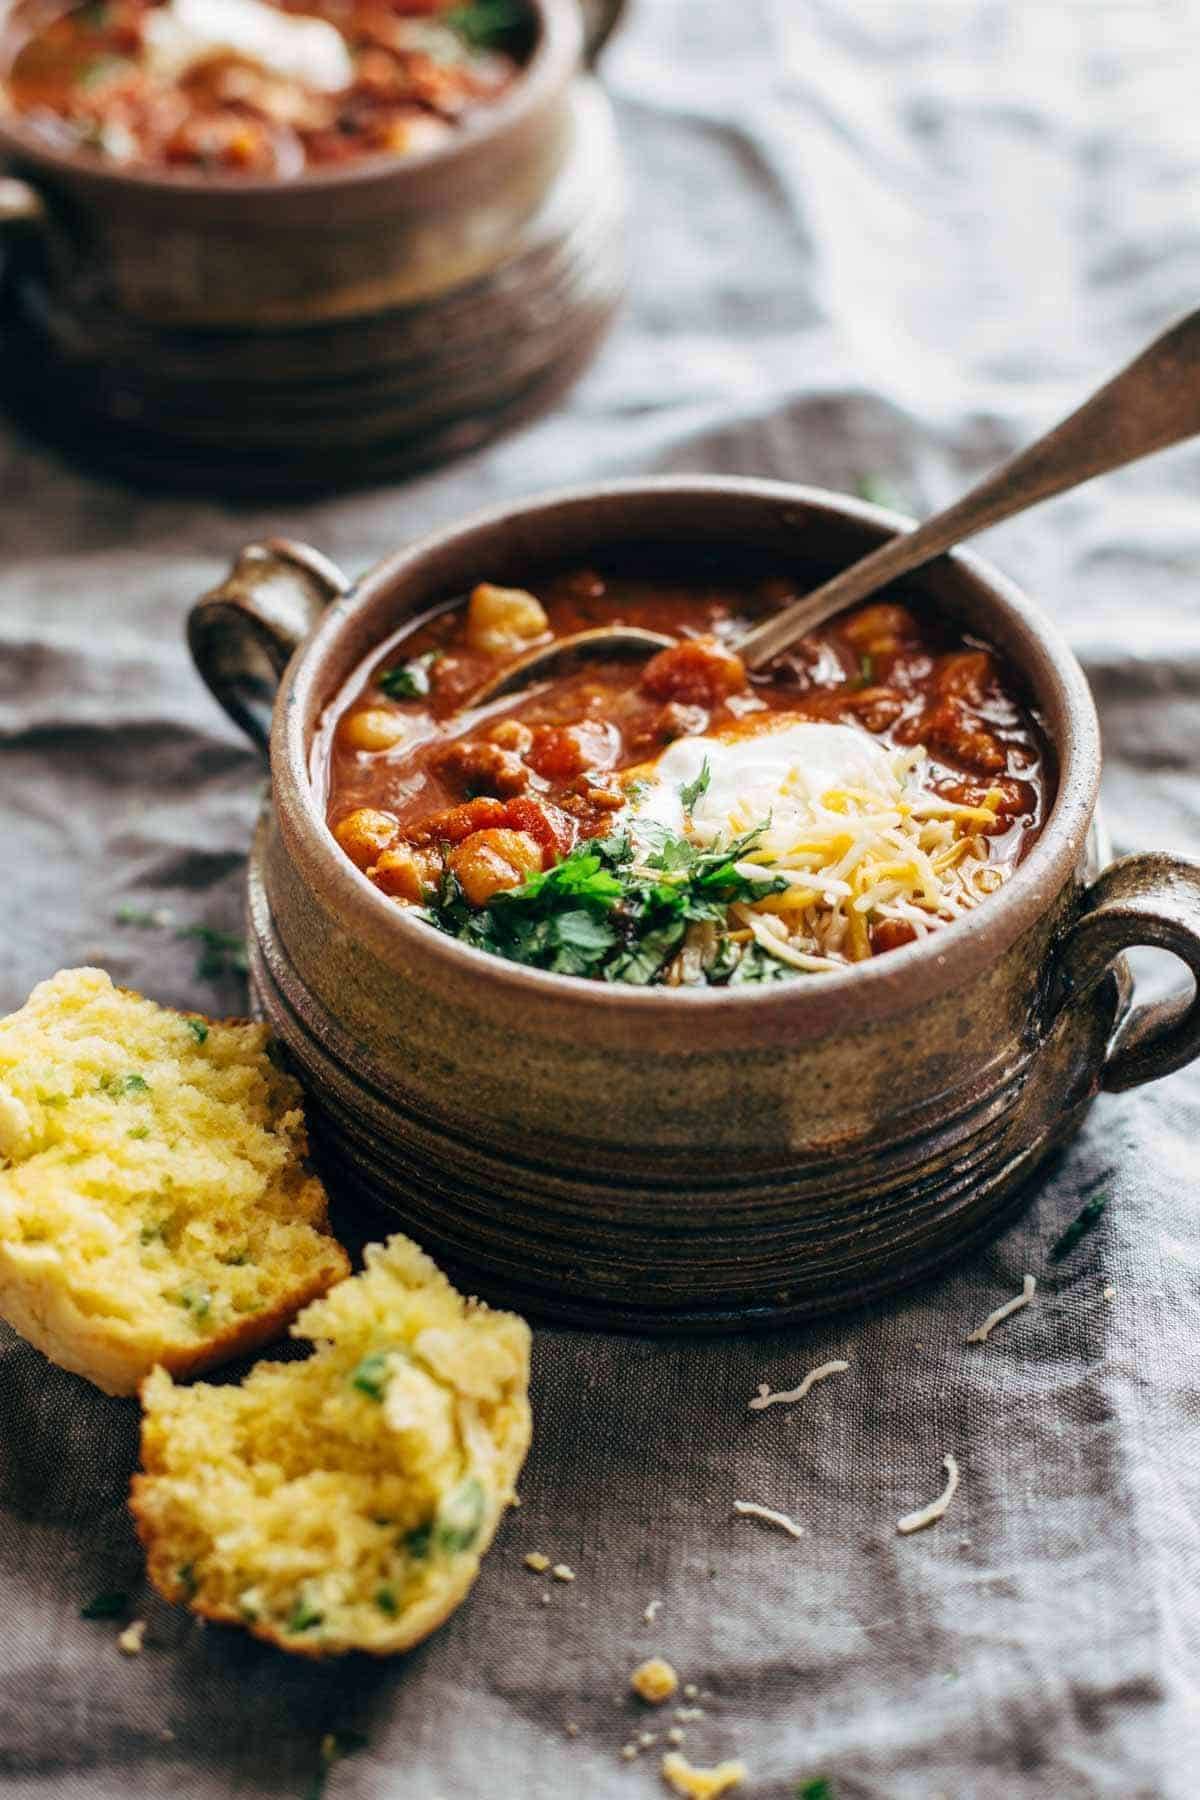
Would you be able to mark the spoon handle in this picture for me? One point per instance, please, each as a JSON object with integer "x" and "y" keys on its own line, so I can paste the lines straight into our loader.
{"x": 1152, "y": 403}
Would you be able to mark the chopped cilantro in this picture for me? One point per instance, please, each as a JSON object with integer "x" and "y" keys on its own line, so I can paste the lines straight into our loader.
{"x": 485, "y": 23}
{"x": 460, "y": 1516}
{"x": 410, "y": 680}
{"x": 385, "y": 1600}
{"x": 334, "y": 1745}
{"x": 221, "y": 953}
{"x": 636, "y": 791}
{"x": 609, "y": 911}
{"x": 236, "y": 1259}
{"x": 198, "y": 1029}
{"x": 1079, "y": 1227}
{"x": 866, "y": 669}
{"x": 418, "y": 1540}
{"x": 157, "y": 920}
{"x": 185, "y": 1575}
{"x": 691, "y": 791}
{"x": 111, "y": 1605}
{"x": 305, "y": 1616}
{"x": 195, "y": 1300}
{"x": 139, "y": 1131}
{"x": 372, "y": 1375}
{"x": 117, "y": 1085}
{"x": 817, "y": 1789}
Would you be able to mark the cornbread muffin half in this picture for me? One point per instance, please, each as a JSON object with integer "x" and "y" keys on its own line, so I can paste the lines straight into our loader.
{"x": 154, "y": 1202}
{"x": 343, "y": 1502}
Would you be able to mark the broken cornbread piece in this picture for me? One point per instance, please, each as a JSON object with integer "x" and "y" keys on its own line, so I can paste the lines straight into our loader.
{"x": 344, "y": 1502}
{"x": 701, "y": 1784}
{"x": 155, "y": 1203}
{"x": 654, "y": 1680}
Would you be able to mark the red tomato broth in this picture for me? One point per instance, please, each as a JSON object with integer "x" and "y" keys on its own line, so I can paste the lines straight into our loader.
{"x": 81, "y": 75}
{"x": 544, "y": 764}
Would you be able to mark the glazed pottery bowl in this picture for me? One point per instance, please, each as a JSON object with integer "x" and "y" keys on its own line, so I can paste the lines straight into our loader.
{"x": 666, "y": 1158}
{"x": 276, "y": 335}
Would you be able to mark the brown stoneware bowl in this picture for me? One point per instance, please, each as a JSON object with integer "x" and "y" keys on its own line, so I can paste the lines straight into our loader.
{"x": 250, "y": 335}
{"x": 656, "y": 1158}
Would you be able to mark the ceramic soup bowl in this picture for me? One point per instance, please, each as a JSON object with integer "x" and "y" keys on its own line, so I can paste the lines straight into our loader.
{"x": 667, "y": 1158}
{"x": 337, "y": 325}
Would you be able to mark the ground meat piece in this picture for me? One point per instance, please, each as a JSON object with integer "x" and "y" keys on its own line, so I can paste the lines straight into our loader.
{"x": 951, "y": 726}
{"x": 966, "y": 675}
{"x": 676, "y": 721}
{"x": 489, "y": 861}
{"x": 559, "y": 752}
{"x": 698, "y": 672}
{"x": 480, "y": 768}
{"x": 879, "y": 631}
{"x": 407, "y": 873}
{"x": 455, "y": 823}
{"x": 511, "y": 734}
{"x": 875, "y": 707}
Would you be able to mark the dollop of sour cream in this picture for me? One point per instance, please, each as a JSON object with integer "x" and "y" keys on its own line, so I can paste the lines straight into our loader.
{"x": 753, "y": 777}
{"x": 307, "y": 50}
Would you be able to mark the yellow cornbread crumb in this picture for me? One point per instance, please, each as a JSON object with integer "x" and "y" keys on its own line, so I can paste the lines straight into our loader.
{"x": 537, "y": 1561}
{"x": 654, "y": 1680}
{"x": 130, "y": 1641}
{"x": 343, "y": 1502}
{"x": 155, "y": 1207}
{"x": 701, "y": 1784}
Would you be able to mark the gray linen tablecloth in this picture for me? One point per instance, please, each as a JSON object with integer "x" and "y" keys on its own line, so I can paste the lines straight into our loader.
{"x": 871, "y": 238}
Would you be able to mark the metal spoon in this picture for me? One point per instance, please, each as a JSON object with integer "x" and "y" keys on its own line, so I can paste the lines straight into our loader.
{"x": 1154, "y": 402}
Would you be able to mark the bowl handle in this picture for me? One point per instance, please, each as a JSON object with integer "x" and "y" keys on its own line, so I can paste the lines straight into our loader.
{"x": 600, "y": 20}
{"x": 244, "y": 633}
{"x": 1149, "y": 900}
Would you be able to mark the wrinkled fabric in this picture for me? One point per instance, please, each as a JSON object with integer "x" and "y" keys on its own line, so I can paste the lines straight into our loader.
{"x": 870, "y": 240}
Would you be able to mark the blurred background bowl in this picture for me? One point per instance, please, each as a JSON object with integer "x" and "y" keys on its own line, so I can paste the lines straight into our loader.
{"x": 278, "y": 336}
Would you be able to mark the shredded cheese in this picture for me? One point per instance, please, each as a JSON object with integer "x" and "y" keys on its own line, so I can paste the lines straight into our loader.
{"x": 701, "y": 1784}
{"x": 844, "y": 854}
{"x": 750, "y": 1509}
{"x": 561, "y": 1572}
{"x": 929, "y": 1515}
{"x": 653, "y": 1608}
{"x": 982, "y": 1332}
{"x": 765, "y": 1397}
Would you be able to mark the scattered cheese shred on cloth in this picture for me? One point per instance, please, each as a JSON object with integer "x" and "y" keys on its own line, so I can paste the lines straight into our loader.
{"x": 701, "y": 1784}
{"x": 928, "y": 1515}
{"x": 765, "y": 1397}
{"x": 982, "y": 1332}
{"x": 750, "y": 1509}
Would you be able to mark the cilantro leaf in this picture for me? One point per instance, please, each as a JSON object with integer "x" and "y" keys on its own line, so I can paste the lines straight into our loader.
{"x": 109, "y": 1605}
{"x": 410, "y": 680}
{"x": 691, "y": 791}
{"x": 1079, "y": 1227}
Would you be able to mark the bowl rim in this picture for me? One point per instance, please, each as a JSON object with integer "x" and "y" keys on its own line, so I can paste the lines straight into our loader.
{"x": 904, "y": 977}
{"x": 556, "y": 53}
